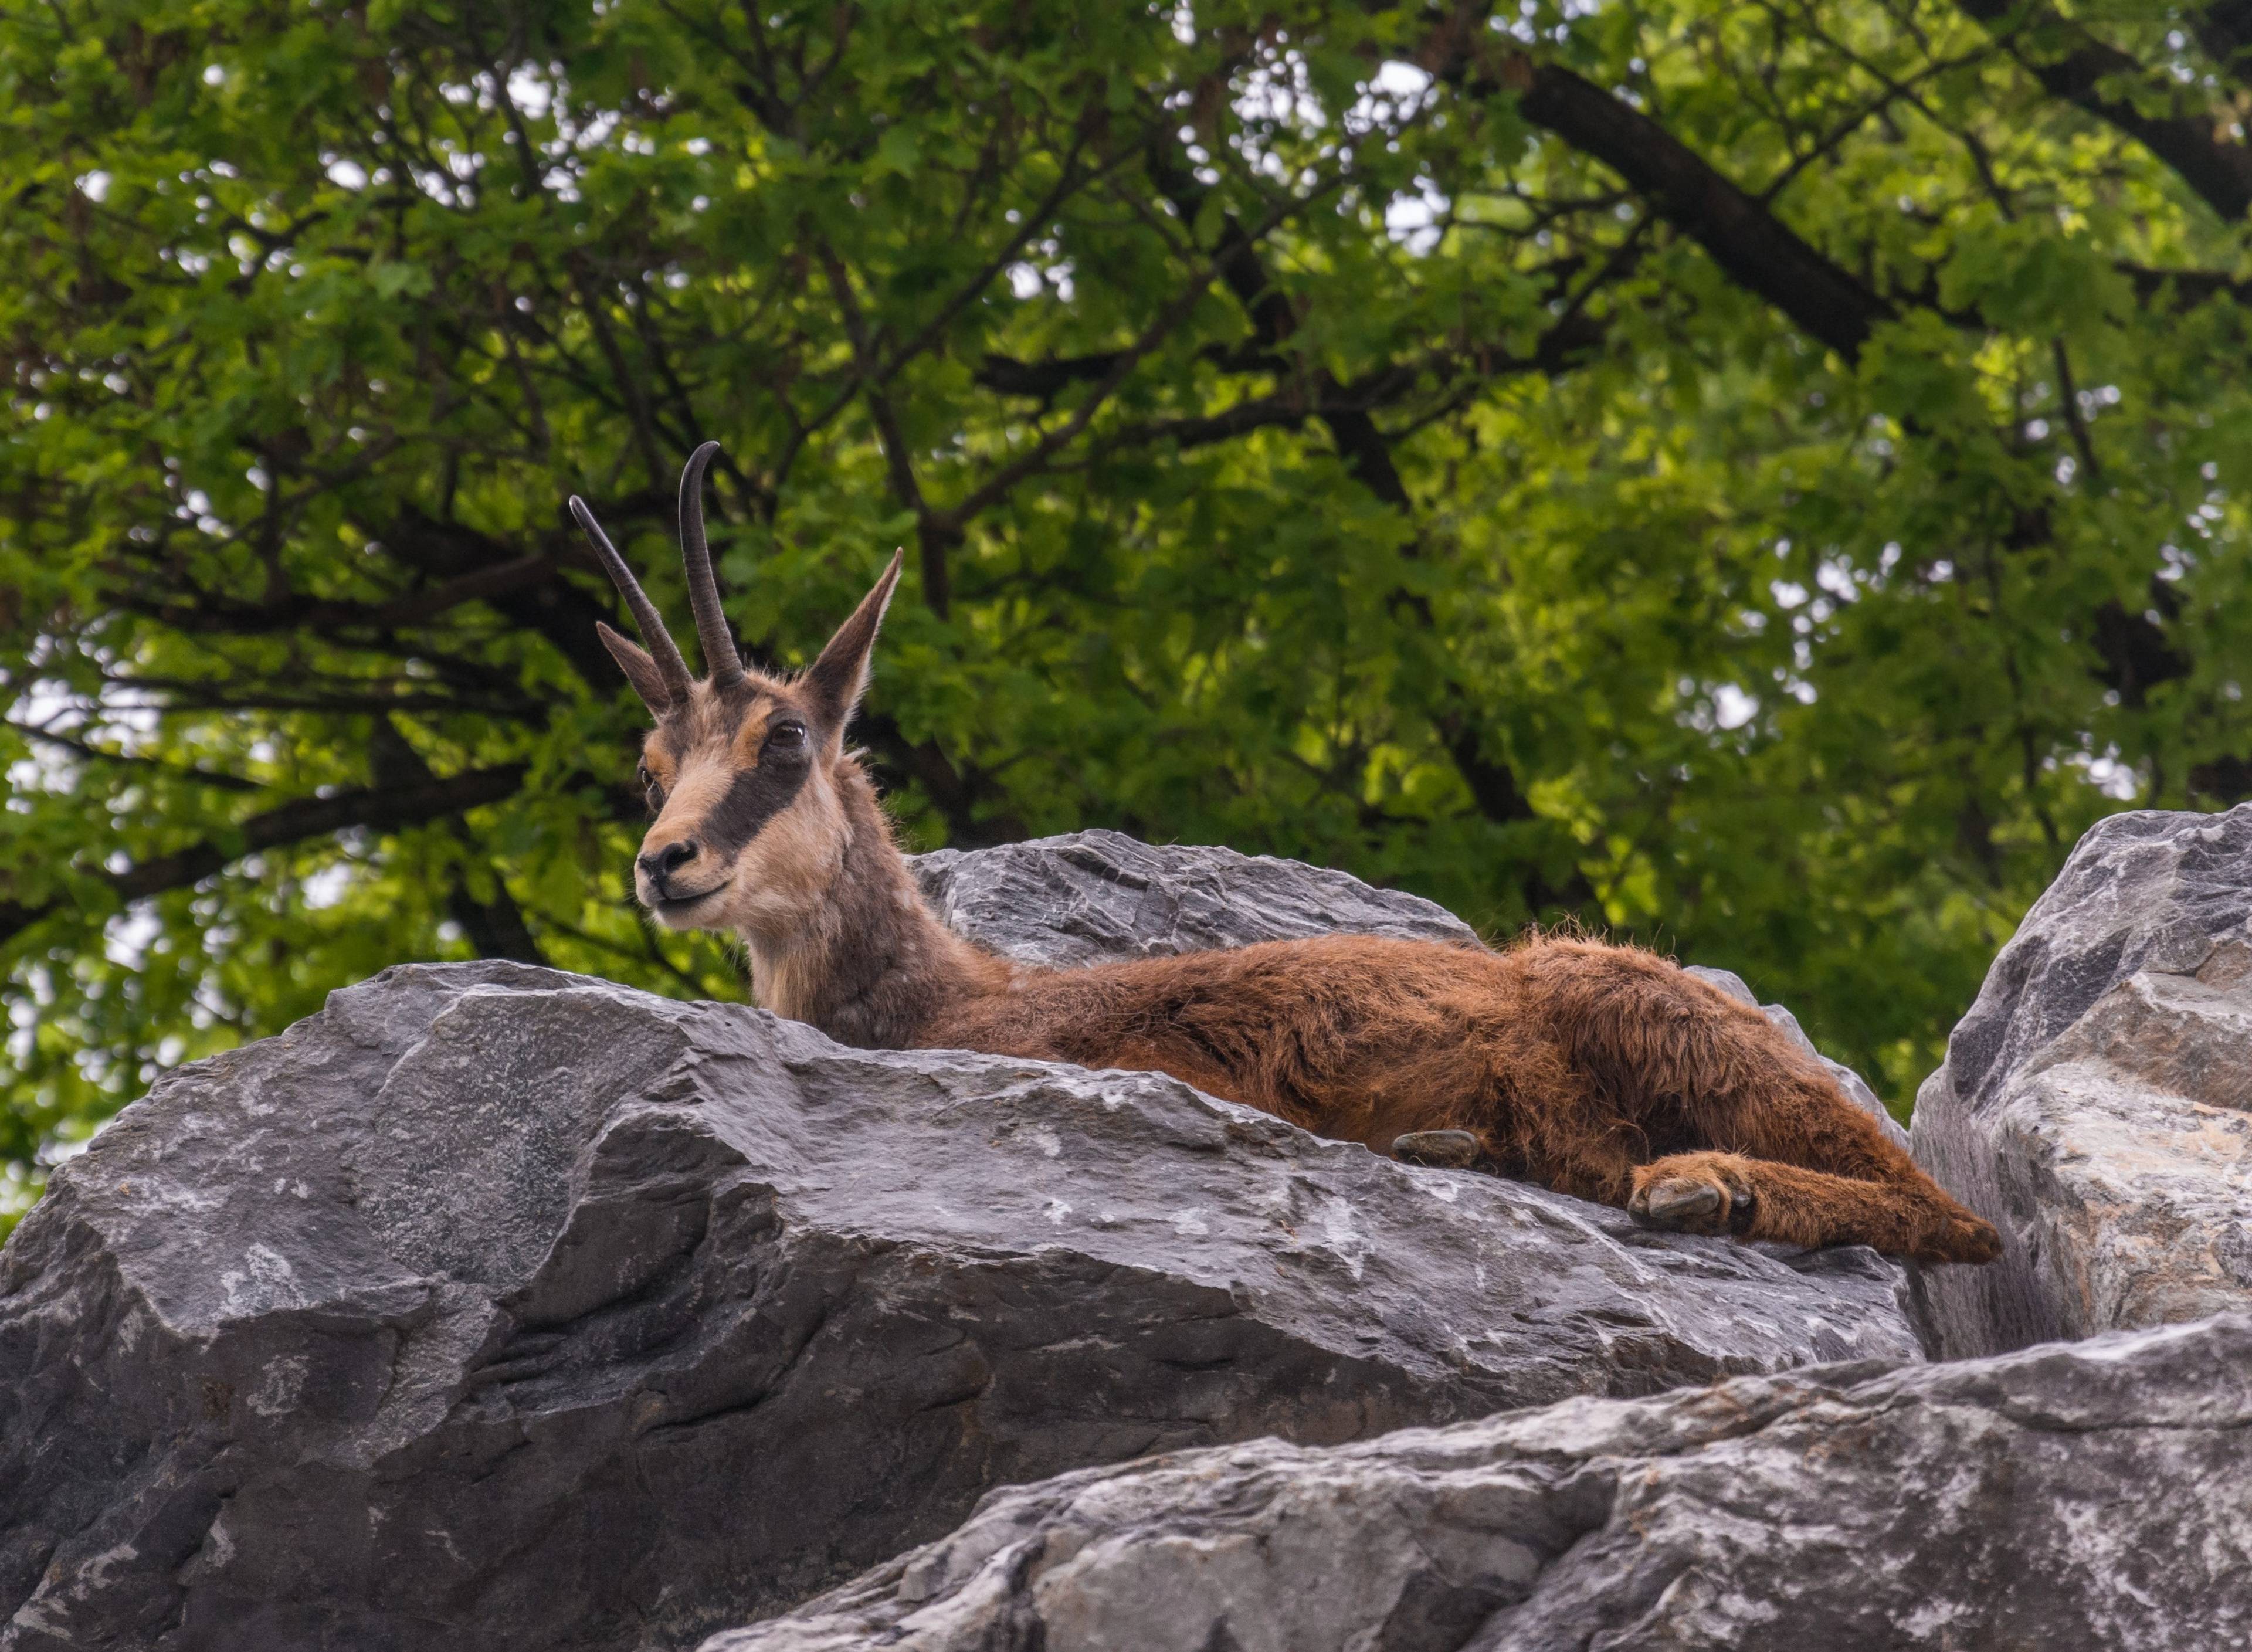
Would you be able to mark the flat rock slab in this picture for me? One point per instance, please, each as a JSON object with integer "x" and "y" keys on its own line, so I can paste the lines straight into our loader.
{"x": 2067, "y": 1497}
{"x": 2096, "y": 1102}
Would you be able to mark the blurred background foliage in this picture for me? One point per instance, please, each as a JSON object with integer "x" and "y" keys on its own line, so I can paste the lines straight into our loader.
{"x": 1758, "y": 476}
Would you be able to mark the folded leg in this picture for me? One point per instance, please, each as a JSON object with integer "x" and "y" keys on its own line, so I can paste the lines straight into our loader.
{"x": 1784, "y": 1155}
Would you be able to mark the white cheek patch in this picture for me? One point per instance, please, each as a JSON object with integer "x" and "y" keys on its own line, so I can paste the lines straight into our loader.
{"x": 785, "y": 872}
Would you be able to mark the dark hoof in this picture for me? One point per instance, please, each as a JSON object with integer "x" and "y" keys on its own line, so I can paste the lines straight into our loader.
{"x": 1683, "y": 1205}
{"x": 1437, "y": 1150}
{"x": 1970, "y": 1240}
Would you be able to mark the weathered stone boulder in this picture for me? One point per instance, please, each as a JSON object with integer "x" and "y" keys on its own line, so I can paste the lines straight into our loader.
{"x": 493, "y": 1307}
{"x": 2067, "y": 1497}
{"x": 2094, "y": 1102}
{"x": 1099, "y": 897}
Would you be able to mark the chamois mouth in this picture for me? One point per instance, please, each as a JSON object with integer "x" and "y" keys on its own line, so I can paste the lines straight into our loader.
{"x": 673, "y": 905}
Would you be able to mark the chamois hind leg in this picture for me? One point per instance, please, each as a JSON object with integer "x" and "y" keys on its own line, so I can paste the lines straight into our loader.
{"x": 1439, "y": 1150}
{"x": 1784, "y": 1155}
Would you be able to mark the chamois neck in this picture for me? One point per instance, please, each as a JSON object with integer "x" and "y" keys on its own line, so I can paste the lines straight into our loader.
{"x": 873, "y": 965}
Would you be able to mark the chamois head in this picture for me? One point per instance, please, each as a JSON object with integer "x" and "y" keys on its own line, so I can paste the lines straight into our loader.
{"x": 742, "y": 769}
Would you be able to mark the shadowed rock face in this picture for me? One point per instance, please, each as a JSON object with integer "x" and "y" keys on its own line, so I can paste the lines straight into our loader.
{"x": 2096, "y": 1101}
{"x": 2076, "y": 1497}
{"x": 494, "y": 1308}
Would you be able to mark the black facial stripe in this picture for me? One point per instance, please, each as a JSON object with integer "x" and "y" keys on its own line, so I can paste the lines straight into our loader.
{"x": 752, "y": 798}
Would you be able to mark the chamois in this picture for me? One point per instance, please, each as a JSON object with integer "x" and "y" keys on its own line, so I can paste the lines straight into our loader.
{"x": 1595, "y": 1069}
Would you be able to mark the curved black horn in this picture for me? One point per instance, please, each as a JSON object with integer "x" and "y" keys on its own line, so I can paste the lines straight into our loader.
{"x": 662, "y": 649}
{"x": 719, "y": 657}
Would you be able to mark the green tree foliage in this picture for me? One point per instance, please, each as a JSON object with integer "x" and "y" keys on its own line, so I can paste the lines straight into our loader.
{"x": 1753, "y": 474}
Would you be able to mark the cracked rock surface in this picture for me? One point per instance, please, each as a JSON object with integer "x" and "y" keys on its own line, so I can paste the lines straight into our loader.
{"x": 2096, "y": 1102}
{"x": 2066, "y": 1496}
{"x": 494, "y": 1308}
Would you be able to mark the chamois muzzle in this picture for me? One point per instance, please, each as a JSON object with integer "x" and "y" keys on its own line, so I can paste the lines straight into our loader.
{"x": 660, "y": 866}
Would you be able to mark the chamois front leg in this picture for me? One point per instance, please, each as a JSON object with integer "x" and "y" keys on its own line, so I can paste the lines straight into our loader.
{"x": 1715, "y": 1192}
{"x": 1695, "y": 1193}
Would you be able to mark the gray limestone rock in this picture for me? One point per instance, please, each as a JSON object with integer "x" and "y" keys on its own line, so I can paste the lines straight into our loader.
{"x": 493, "y": 1307}
{"x": 1098, "y": 897}
{"x": 2067, "y": 1497}
{"x": 2096, "y": 1101}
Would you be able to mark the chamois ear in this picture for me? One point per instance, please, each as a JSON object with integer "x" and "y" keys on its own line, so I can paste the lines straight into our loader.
{"x": 641, "y": 670}
{"x": 840, "y": 675}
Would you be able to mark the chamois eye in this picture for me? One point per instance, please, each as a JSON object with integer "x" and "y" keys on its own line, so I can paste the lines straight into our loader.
{"x": 787, "y": 735}
{"x": 650, "y": 789}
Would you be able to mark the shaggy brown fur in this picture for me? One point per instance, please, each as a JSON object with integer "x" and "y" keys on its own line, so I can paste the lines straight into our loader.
{"x": 1597, "y": 1070}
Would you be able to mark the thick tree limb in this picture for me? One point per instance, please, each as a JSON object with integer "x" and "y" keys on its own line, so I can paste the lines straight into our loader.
{"x": 2189, "y": 288}
{"x": 187, "y": 773}
{"x": 936, "y": 539}
{"x": 556, "y": 609}
{"x": 1042, "y": 380}
{"x": 378, "y": 809}
{"x": 211, "y": 612}
{"x": 495, "y": 927}
{"x": 1272, "y": 320}
{"x": 1758, "y": 250}
{"x": 1346, "y": 408}
{"x": 2218, "y": 168}
{"x": 2137, "y": 653}
{"x": 954, "y": 793}
{"x": 2224, "y": 29}
{"x": 1035, "y": 458}
{"x": 1050, "y": 376}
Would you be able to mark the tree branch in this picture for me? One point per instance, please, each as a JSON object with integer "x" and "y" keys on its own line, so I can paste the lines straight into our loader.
{"x": 186, "y": 772}
{"x": 2218, "y": 168}
{"x": 554, "y": 608}
{"x": 1041, "y": 380}
{"x": 211, "y": 612}
{"x": 1493, "y": 786}
{"x": 934, "y": 540}
{"x": 2190, "y": 287}
{"x": 379, "y": 809}
{"x": 1758, "y": 250}
{"x": 2224, "y": 29}
{"x": 495, "y": 928}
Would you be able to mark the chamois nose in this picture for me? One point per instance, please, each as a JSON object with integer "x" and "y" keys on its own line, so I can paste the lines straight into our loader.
{"x": 660, "y": 864}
